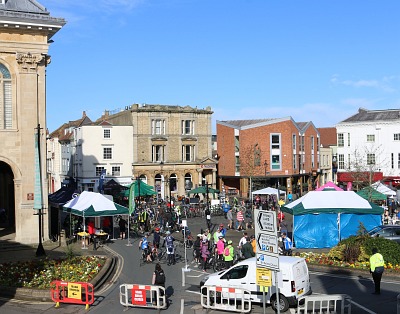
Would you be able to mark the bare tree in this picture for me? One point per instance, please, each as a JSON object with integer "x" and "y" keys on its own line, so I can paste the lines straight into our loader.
{"x": 363, "y": 165}
{"x": 250, "y": 162}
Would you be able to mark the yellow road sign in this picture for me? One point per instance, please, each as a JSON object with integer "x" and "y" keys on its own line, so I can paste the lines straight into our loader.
{"x": 263, "y": 277}
{"x": 74, "y": 290}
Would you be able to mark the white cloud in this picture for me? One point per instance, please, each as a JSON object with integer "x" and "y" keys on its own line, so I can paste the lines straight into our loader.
{"x": 384, "y": 84}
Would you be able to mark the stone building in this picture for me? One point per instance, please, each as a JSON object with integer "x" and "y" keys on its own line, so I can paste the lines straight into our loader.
{"x": 275, "y": 152}
{"x": 26, "y": 28}
{"x": 172, "y": 147}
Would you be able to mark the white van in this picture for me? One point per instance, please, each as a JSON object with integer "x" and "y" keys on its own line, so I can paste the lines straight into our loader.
{"x": 293, "y": 280}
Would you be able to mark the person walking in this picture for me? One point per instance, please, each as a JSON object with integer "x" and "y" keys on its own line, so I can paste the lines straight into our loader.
{"x": 122, "y": 227}
{"x": 205, "y": 253}
{"x": 229, "y": 254}
{"x": 229, "y": 217}
{"x": 247, "y": 249}
{"x": 208, "y": 217}
{"x": 158, "y": 280}
{"x": 240, "y": 220}
{"x": 169, "y": 243}
{"x": 377, "y": 264}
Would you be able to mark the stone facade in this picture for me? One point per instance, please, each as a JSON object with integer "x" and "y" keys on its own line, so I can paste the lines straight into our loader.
{"x": 25, "y": 30}
{"x": 172, "y": 149}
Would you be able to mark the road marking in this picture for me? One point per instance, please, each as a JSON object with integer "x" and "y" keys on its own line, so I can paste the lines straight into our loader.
{"x": 120, "y": 265}
{"x": 356, "y": 304}
{"x": 359, "y": 277}
{"x": 194, "y": 292}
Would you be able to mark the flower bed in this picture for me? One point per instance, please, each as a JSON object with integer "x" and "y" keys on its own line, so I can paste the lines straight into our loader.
{"x": 324, "y": 260}
{"x": 40, "y": 273}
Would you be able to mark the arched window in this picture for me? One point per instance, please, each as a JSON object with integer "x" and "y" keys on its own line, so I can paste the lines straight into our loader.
{"x": 188, "y": 182}
{"x": 5, "y": 98}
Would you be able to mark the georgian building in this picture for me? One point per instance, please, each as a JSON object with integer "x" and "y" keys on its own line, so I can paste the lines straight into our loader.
{"x": 368, "y": 143}
{"x": 172, "y": 146}
{"x": 26, "y": 28}
{"x": 267, "y": 152}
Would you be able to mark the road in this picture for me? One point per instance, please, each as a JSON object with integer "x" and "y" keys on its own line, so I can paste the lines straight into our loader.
{"x": 186, "y": 299}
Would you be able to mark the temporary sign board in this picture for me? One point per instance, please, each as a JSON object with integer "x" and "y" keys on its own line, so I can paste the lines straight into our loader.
{"x": 266, "y": 221}
{"x": 74, "y": 290}
{"x": 263, "y": 277}
{"x": 138, "y": 297}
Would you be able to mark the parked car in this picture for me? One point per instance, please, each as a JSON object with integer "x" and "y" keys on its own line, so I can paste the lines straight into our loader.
{"x": 391, "y": 232}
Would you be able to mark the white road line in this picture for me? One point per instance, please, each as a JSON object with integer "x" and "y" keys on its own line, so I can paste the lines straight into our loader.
{"x": 362, "y": 307}
{"x": 361, "y": 277}
{"x": 194, "y": 292}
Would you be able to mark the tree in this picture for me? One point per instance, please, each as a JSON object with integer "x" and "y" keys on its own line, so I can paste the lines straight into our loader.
{"x": 363, "y": 165}
{"x": 250, "y": 162}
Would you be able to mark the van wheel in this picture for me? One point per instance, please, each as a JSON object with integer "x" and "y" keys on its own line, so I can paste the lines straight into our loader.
{"x": 283, "y": 303}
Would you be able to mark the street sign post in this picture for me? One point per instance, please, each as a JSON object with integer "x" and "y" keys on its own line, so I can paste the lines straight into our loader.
{"x": 267, "y": 243}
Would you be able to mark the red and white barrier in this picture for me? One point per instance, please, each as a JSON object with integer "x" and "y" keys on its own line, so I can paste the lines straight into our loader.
{"x": 226, "y": 299}
{"x": 148, "y": 296}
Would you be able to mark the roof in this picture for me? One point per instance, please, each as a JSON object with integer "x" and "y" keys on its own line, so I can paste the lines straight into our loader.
{"x": 328, "y": 136}
{"x": 29, "y": 13}
{"x": 63, "y": 135}
{"x": 365, "y": 115}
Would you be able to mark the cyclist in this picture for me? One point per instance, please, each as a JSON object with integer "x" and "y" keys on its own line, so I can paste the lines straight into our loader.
{"x": 144, "y": 246}
{"x": 156, "y": 239}
{"x": 169, "y": 243}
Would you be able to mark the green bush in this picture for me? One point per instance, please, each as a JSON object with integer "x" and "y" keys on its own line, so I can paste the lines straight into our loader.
{"x": 359, "y": 248}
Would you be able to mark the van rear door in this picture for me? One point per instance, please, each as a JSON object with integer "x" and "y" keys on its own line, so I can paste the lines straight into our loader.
{"x": 301, "y": 279}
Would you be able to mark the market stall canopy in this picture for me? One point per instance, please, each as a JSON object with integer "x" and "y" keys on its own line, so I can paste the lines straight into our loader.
{"x": 140, "y": 188}
{"x": 369, "y": 193}
{"x": 269, "y": 190}
{"x": 203, "y": 190}
{"x": 331, "y": 202}
{"x": 382, "y": 188}
{"x": 92, "y": 204}
{"x": 329, "y": 186}
{"x": 62, "y": 195}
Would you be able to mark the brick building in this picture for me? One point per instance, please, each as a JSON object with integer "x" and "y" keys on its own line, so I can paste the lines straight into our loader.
{"x": 267, "y": 152}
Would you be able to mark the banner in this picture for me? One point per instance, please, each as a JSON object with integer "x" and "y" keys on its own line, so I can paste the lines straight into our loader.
{"x": 132, "y": 203}
{"x": 37, "y": 203}
{"x": 101, "y": 180}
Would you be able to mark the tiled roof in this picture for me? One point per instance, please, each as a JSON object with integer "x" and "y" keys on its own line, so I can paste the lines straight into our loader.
{"x": 327, "y": 136}
{"x": 26, "y": 6}
{"x": 374, "y": 115}
{"x": 242, "y": 123}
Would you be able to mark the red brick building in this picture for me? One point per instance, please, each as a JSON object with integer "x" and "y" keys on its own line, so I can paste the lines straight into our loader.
{"x": 267, "y": 152}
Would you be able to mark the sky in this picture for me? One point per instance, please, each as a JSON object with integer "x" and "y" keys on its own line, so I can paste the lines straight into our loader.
{"x": 313, "y": 60}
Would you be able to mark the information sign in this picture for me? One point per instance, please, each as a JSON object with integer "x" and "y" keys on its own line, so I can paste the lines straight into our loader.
{"x": 138, "y": 297}
{"x": 263, "y": 277}
{"x": 74, "y": 290}
{"x": 268, "y": 260}
{"x": 267, "y": 243}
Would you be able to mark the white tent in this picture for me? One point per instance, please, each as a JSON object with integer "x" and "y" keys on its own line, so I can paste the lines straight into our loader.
{"x": 269, "y": 190}
{"x": 384, "y": 189}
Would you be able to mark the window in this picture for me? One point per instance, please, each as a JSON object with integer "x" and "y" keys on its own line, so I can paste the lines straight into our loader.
{"x": 312, "y": 142}
{"x": 294, "y": 141}
{"x": 158, "y": 127}
{"x": 237, "y": 272}
{"x": 188, "y": 182}
{"x": 275, "y": 151}
{"x": 237, "y": 164}
{"x": 341, "y": 161}
{"x": 157, "y": 153}
{"x": 348, "y": 139}
{"x": 99, "y": 171}
{"x": 370, "y": 159}
{"x": 106, "y": 133}
{"x": 294, "y": 161}
{"x": 187, "y": 153}
{"x": 6, "y": 113}
{"x": 107, "y": 152}
{"x": 173, "y": 182}
{"x": 392, "y": 160}
{"x": 370, "y": 137}
{"x": 340, "y": 140}
{"x": 398, "y": 161}
{"x": 187, "y": 127}
{"x": 396, "y": 136}
{"x": 301, "y": 144}
{"x": 237, "y": 144}
{"x": 116, "y": 171}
